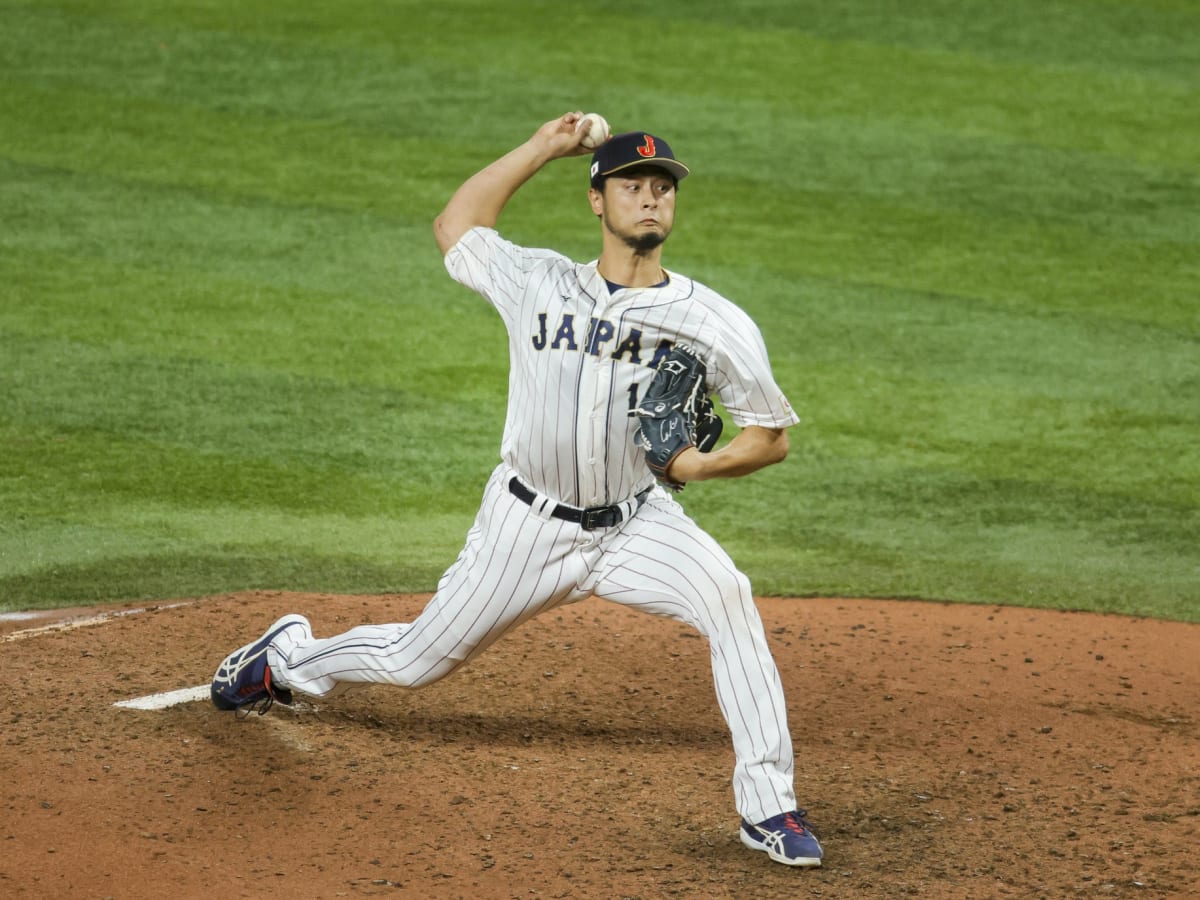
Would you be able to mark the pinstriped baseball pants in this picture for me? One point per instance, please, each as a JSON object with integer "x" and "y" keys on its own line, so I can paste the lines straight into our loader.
{"x": 517, "y": 564}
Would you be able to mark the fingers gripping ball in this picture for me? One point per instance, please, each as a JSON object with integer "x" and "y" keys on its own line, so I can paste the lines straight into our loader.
{"x": 596, "y": 128}
{"x": 676, "y": 413}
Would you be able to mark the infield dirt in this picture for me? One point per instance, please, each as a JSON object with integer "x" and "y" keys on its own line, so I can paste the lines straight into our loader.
{"x": 942, "y": 751}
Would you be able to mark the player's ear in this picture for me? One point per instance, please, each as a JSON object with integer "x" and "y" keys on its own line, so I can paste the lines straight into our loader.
{"x": 596, "y": 198}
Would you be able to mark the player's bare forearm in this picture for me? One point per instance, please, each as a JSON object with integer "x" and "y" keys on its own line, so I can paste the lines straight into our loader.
{"x": 482, "y": 197}
{"x": 751, "y": 449}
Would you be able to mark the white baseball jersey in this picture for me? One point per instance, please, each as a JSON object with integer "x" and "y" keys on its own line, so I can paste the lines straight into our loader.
{"x": 579, "y": 356}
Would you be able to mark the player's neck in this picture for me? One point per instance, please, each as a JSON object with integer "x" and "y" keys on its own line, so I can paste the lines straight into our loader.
{"x": 630, "y": 268}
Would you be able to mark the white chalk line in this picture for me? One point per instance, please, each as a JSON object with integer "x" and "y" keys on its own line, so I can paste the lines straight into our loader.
{"x": 20, "y": 616}
{"x": 285, "y": 729}
{"x": 162, "y": 700}
{"x": 167, "y": 699}
{"x": 71, "y": 624}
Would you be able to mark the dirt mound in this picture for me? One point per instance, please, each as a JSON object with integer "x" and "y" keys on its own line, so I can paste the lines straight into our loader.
{"x": 943, "y": 751}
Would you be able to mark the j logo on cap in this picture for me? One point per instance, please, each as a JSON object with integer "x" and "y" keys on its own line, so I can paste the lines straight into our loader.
{"x": 634, "y": 148}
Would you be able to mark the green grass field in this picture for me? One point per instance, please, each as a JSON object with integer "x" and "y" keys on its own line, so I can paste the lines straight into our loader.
{"x": 230, "y": 356}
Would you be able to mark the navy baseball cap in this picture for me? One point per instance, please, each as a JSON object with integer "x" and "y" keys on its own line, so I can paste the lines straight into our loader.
{"x": 634, "y": 148}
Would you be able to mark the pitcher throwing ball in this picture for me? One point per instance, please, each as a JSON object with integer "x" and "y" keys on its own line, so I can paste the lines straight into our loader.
{"x": 612, "y": 363}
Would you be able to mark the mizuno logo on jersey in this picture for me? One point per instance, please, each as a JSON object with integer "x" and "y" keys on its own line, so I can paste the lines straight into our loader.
{"x": 601, "y": 335}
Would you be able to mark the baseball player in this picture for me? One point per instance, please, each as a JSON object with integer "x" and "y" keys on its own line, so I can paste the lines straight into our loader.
{"x": 577, "y": 506}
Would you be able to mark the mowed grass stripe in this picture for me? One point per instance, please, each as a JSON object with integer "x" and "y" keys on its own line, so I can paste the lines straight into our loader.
{"x": 388, "y": 73}
{"x": 1101, "y": 37}
{"x": 223, "y": 409}
{"x": 972, "y": 251}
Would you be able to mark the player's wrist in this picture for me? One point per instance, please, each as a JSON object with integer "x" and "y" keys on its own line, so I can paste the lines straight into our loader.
{"x": 556, "y": 139}
{"x": 688, "y": 465}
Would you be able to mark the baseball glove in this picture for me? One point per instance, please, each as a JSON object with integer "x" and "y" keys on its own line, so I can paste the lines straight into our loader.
{"x": 676, "y": 413}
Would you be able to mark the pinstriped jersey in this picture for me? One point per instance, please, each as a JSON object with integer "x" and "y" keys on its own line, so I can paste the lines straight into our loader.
{"x": 580, "y": 356}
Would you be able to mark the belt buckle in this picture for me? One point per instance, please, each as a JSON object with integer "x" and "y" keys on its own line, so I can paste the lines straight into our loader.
{"x": 599, "y": 517}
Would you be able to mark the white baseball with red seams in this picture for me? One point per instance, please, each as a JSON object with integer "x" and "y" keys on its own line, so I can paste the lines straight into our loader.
{"x": 597, "y": 130}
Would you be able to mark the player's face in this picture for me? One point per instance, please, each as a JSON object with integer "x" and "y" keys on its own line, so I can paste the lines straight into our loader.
{"x": 638, "y": 209}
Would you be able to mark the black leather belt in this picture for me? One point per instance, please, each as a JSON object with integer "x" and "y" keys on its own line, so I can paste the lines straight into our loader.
{"x": 588, "y": 519}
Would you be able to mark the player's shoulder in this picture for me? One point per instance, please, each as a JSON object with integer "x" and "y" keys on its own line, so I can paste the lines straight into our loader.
{"x": 497, "y": 244}
{"x": 698, "y": 292}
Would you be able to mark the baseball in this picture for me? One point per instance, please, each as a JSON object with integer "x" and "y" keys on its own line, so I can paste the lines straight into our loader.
{"x": 597, "y": 130}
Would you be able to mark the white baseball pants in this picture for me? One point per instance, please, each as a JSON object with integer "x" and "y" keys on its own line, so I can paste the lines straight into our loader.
{"x": 517, "y": 564}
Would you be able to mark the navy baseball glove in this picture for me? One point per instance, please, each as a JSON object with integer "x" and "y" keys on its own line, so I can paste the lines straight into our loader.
{"x": 676, "y": 413}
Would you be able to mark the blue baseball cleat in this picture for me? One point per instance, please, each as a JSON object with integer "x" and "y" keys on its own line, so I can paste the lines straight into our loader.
{"x": 787, "y": 838}
{"x": 243, "y": 680}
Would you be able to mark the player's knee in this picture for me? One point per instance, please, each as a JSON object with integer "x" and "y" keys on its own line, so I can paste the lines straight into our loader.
{"x": 736, "y": 587}
{"x": 435, "y": 672}
{"x": 732, "y": 592}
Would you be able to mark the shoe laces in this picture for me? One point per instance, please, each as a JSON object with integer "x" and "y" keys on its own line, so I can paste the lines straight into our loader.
{"x": 260, "y": 706}
{"x": 795, "y": 821}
